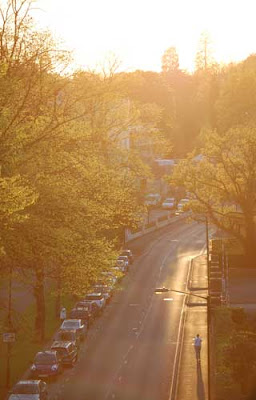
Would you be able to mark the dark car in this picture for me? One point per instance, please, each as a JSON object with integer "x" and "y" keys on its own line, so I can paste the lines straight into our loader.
{"x": 46, "y": 364}
{"x": 129, "y": 254}
{"x": 29, "y": 390}
{"x": 68, "y": 336}
{"x": 80, "y": 313}
{"x": 67, "y": 351}
{"x": 89, "y": 305}
{"x": 75, "y": 325}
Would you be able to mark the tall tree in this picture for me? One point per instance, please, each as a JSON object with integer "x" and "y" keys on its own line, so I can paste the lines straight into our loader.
{"x": 170, "y": 61}
{"x": 204, "y": 59}
{"x": 223, "y": 183}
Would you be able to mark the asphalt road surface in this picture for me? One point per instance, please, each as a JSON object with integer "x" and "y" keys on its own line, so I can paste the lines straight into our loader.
{"x": 130, "y": 351}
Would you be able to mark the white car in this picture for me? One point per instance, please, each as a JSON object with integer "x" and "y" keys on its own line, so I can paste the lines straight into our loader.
{"x": 182, "y": 204}
{"x": 29, "y": 390}
{"x": 75, "y": 325}
{"x": 169, "y": 203}
{"x": 97, "y": 298}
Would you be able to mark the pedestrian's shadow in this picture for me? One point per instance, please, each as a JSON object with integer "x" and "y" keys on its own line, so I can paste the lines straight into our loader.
{"x": 200, "y": 383}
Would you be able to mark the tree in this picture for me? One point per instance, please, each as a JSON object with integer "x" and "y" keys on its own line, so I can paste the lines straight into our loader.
{"x": 204, "y": 59}
{"x": 170, "y": 61}
{"x": 223, "y": 182}
{"x": 235, "y": 104}
{"x": 240, "y": 358}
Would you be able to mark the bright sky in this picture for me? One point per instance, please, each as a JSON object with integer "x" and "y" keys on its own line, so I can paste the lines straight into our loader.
{"x": 139, "y": 31}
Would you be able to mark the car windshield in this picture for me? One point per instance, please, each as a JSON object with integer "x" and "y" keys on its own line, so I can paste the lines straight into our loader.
{"x": 25, "y": 388}
{"x": 60, "y": 350}
{"x": 66, "y": 336}
{"x": 126, "y": 253}
{"x": 93, "y": 296}
{"x": 70, "y": 324}
{"x": 45, "y": 359}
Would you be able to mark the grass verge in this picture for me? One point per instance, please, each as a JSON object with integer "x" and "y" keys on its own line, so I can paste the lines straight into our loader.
{"x": 25, "y": 347}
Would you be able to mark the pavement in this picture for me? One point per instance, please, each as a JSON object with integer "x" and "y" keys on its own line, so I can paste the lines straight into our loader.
{"x": 192, "y": 376}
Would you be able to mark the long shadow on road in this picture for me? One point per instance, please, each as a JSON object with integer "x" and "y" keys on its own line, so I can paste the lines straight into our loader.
{"x": 200, "y": 383}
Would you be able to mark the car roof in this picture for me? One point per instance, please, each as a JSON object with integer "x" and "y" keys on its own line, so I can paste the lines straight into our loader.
{"x": 47, "y": 352}
{"x": 61, "y": 343}
{"x": 94, "y": 294}
{"x": 28, "y": 382}
{"x": 72, "y": 319}
{"x": 67, "y": 330}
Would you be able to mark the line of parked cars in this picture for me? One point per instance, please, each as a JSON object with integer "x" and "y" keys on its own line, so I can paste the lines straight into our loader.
{"x": 64, "y": 350}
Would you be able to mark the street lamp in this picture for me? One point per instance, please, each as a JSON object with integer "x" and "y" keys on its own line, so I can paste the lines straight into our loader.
{"x": 207, "y": 298}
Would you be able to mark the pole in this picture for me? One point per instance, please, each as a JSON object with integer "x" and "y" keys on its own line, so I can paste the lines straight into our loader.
{"x": 208, "y": 346}
{"x": 208, "y": 306}
{"x": 207, "y": 243}
{"x": 8, "y": 369}
{"x": 9, "y": 322}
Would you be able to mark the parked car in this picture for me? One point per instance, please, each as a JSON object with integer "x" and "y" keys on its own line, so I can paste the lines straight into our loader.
{"x": 97, "y": 298}
{"x": 152, "y": 199}
{"x": 105, "y": 290}
{"x": 68, "y": 336}
{"x": 81, "y": 313}
{"x": 75, "y": 325}
{"x": 94, "y": 309}
{"x": 122, "y": 266}
{"x": 46, "y": 364}
{"x": 67, "y": 351}
{"x": 182, "y": 205}
{"x": 126, "y": 261}
{"x": 128, "y": 253}
{"x": 108, "y": 279}
{"x": 29, "y": 390}
{"x": 169, "y": 203}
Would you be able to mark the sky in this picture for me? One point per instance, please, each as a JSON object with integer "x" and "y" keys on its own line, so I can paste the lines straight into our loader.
{"x": 139, "y": 31}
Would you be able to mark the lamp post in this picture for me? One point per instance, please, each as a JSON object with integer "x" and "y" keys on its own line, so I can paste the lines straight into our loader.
{"x": 207, "y": 298}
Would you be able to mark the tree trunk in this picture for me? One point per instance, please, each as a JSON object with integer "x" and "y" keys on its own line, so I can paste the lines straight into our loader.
{"x": 58, "y": 298}
{"x": 250, "y": 242}
{"x": 40, "y": 304}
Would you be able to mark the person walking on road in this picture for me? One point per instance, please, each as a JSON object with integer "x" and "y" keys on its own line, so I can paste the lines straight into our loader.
{"x": 197, "y": 345}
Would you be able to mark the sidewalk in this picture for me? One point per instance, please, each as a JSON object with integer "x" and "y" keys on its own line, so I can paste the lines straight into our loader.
{"x": 192, "y": 376}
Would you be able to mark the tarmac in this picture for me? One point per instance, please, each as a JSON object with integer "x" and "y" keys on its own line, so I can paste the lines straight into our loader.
{"x": 192, "y": 376}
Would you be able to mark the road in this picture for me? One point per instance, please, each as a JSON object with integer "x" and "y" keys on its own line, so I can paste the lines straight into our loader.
{"x": 131, "y": 349}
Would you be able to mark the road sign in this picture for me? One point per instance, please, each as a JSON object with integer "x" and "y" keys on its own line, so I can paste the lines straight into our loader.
{"x": 9, "y": 337}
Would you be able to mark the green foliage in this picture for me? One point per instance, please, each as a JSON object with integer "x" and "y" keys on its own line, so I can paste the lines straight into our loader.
{"x": 236, "y": 103}
{"x": 223, "y": 180}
